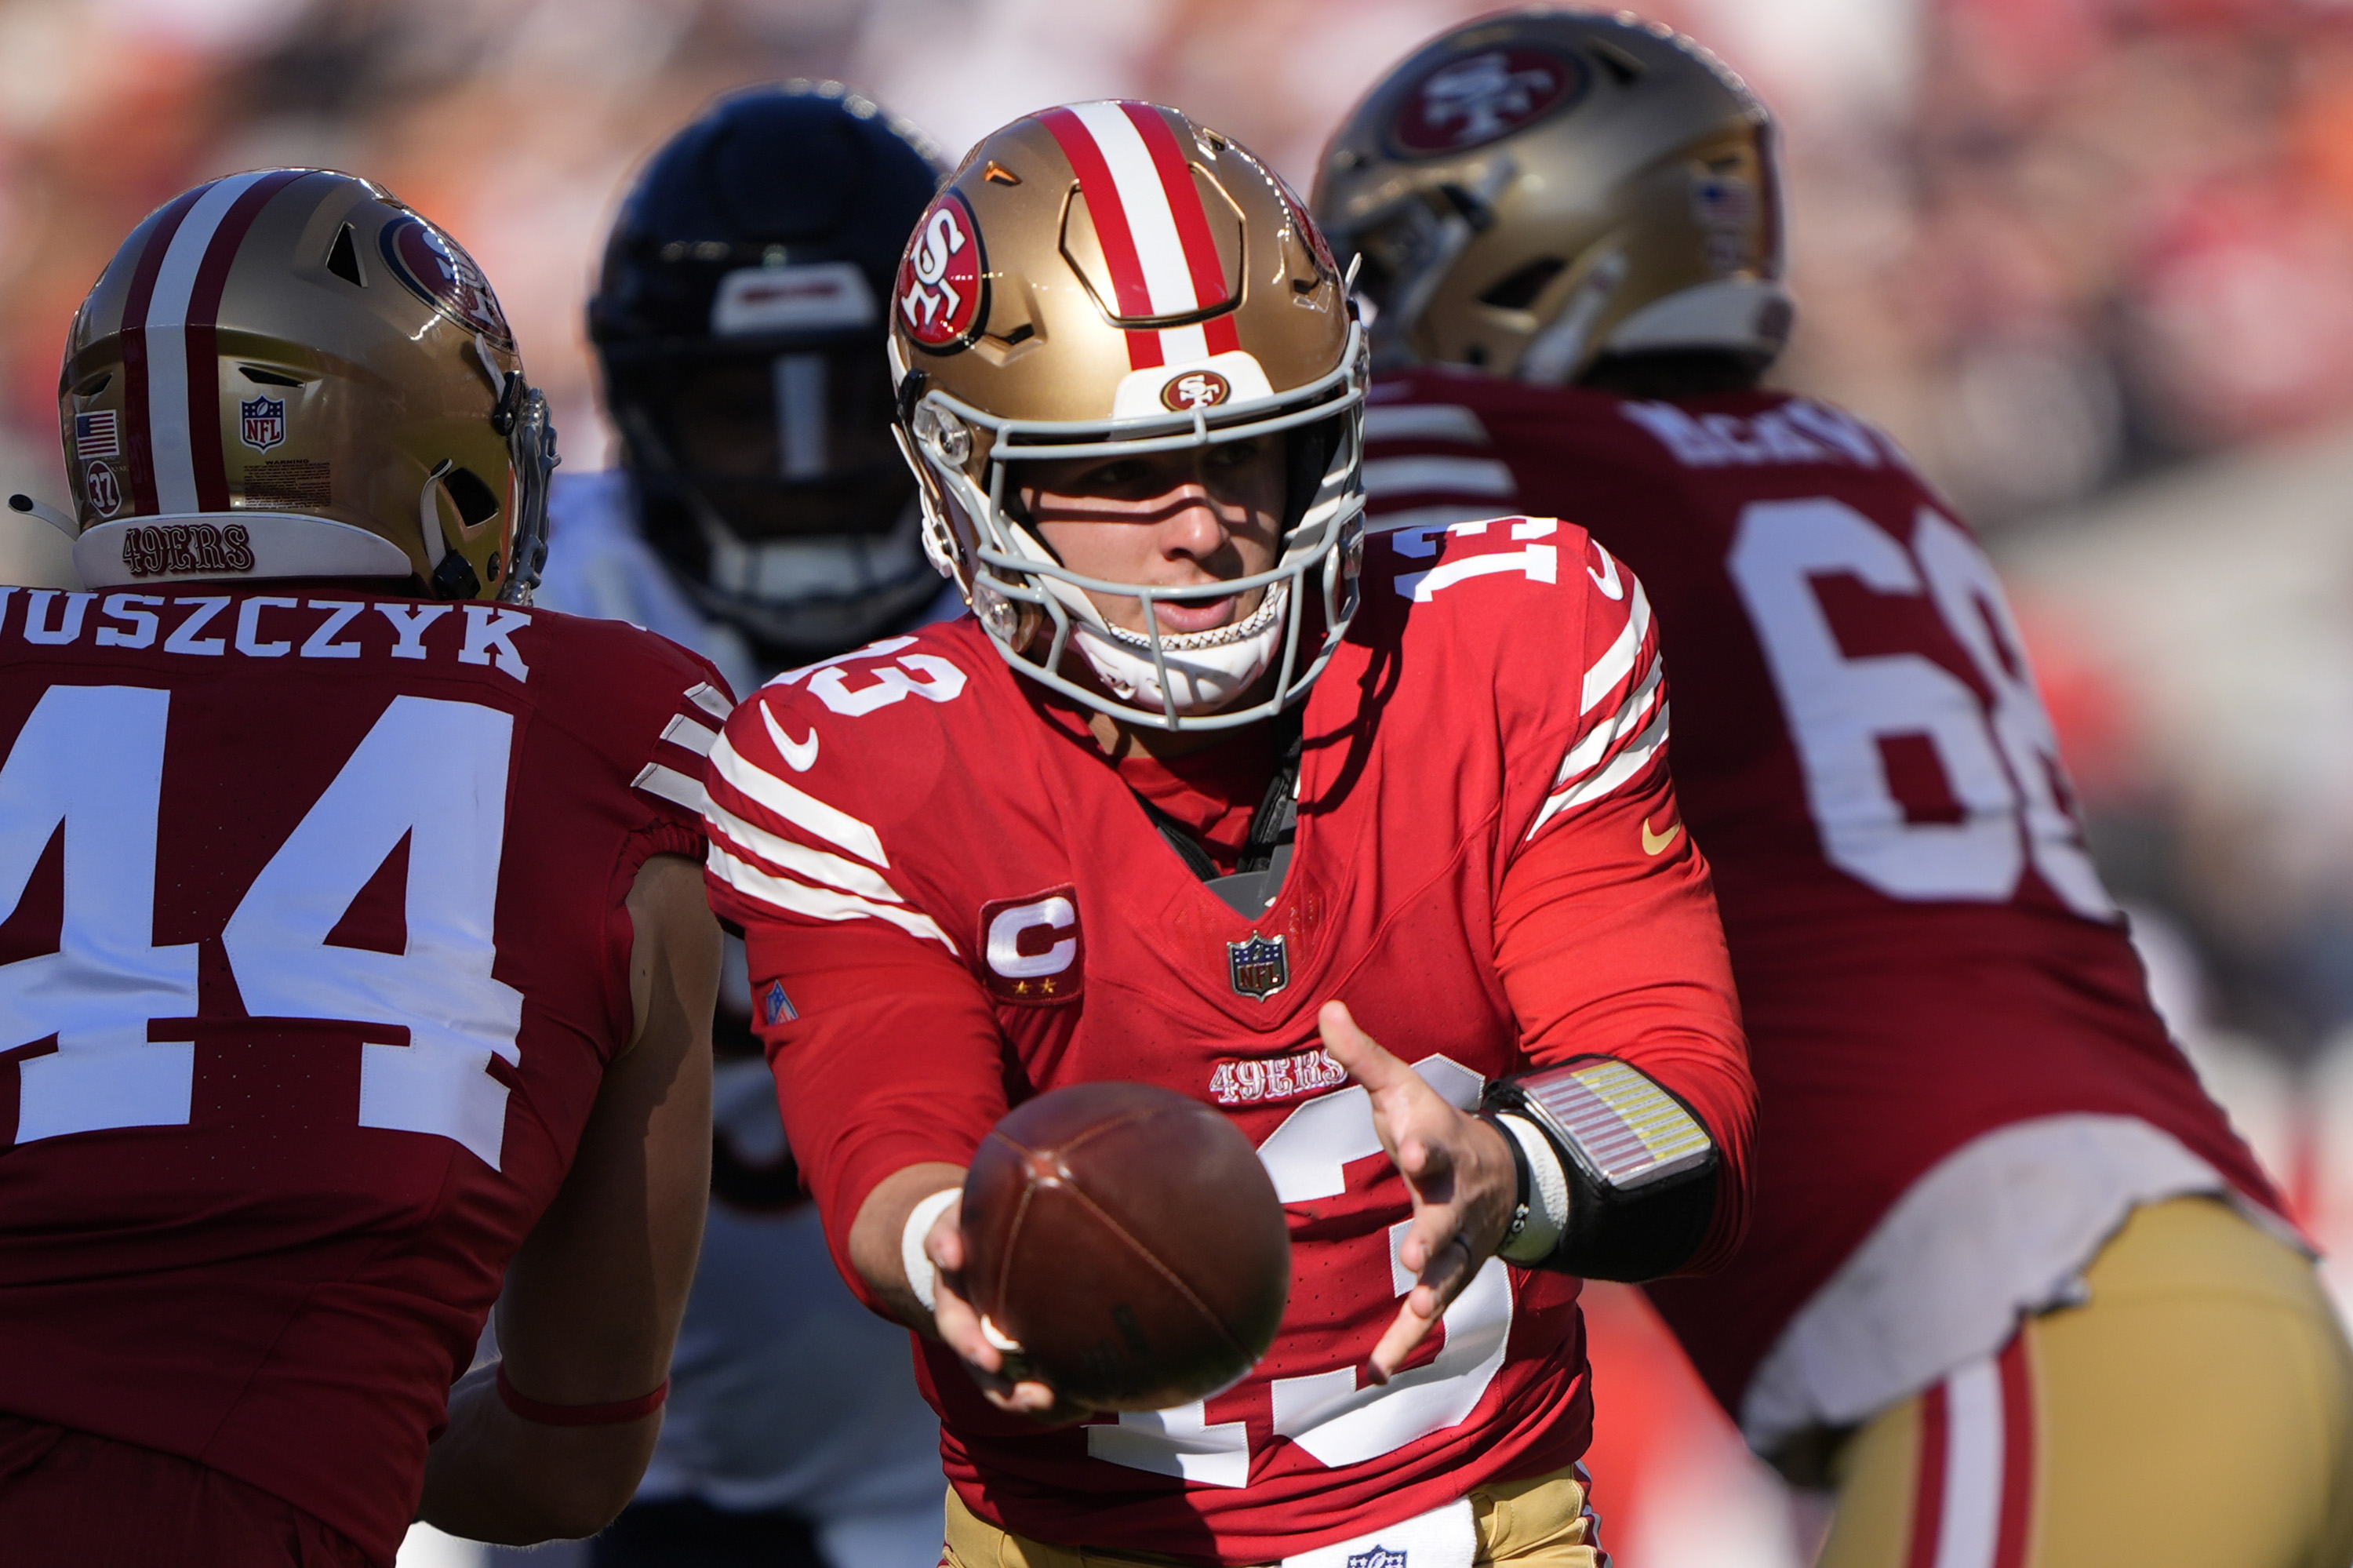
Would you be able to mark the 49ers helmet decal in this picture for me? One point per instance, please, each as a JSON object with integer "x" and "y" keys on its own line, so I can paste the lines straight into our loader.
{"x": 1111, "y": 278}
{"x": 292, "y": 363}
{"x": 1536, "y": 189}
{"x": 942, "y": 294}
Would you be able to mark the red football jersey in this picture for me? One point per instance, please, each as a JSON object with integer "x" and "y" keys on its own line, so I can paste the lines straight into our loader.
{"x": 953, "y": 901}
{"x": 312, "y": 952}
{"x": 1924, "y": 949}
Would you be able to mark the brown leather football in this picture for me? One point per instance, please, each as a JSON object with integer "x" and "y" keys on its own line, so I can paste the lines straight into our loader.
{"x": 1129, "y": 1240}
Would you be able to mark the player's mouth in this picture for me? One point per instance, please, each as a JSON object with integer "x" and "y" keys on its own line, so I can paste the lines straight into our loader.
{"x": 1179, "y": 616}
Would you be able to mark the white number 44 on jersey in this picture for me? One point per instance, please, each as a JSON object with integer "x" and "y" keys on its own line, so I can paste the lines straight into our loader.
{"x": 90, "y": 758}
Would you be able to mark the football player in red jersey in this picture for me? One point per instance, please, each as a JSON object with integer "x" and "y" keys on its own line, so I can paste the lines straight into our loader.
{"x": 2011, "y": 1279}
{"x": 1208, "y": 793}
{"x": 354, "y": 959}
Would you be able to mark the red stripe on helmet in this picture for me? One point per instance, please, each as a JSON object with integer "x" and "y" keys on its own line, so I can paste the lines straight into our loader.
{"x": 204, "y": 337}
{"x": 137, "y": 447}
{"x": 1201, "y": 259}
{"x": 1109, "y": 215}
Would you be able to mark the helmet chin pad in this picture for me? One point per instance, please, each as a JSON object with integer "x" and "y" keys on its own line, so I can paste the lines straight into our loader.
{"x": 1207, "y": 671}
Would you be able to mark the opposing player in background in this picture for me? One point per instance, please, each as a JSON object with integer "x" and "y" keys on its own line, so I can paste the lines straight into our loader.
{"x": 1207, "y": 794}
{"x": 352, "y": 951}
{"x": 762, "y": 516}
{"x": 2012, "y": 1285}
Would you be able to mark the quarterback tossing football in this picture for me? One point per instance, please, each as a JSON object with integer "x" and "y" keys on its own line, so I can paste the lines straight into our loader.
{"x": 1128, "y": 1239}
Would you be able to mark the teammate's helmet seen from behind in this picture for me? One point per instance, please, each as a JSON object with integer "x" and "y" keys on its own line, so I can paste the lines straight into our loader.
{"x": 289, "y": 373}
{"x": 739, "y": 324}
{"x": 1110, "y": 279}
{"x": 1538, "y": 189}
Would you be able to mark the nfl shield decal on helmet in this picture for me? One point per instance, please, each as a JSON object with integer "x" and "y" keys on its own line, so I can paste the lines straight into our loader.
{"x": 1260, "y": 966}
{"x": 263, "y": 420}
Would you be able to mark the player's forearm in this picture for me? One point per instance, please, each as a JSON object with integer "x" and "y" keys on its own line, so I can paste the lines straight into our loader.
{"x": 492, "y": 1476}
{"x": 879, "y": 1242}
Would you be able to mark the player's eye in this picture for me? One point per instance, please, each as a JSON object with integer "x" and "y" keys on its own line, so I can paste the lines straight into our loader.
{"x": 1121, "y": 475}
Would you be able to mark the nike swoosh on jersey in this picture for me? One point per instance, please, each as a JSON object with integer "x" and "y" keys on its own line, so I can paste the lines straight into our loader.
{"x": 1607, "y": 580}
{"x": 800, "y": 756}
{"x": 1656, "y": 843}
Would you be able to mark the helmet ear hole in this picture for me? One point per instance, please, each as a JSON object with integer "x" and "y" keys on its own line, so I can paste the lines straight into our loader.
{"x": 476, "y": 502}
{"x": 343, "y": 258}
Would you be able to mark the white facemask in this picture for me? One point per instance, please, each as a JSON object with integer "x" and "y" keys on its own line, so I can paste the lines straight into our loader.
{"x": 1207, "y": 669}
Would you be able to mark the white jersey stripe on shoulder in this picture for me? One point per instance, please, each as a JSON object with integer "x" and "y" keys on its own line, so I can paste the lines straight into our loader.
{"x": 1159, "y": 249}
{"x": 1595, "y": 744}
{"x": 671, "y": 785}
{"x": 710, "y": 699}
{"x": 1423, "y": 422}
{"x": 167, "y": 344}
{"x": 818, "y": 902}
{"x": 696, "y": 738}
{"x": 1971, "y": 1530}
{"x": 807, "y": 812}
{"x": 816, "y": 865}
{"x": 1617, "y": 661}
{"x": 1627, "y": 763}
{"x": 1442, "y": 475}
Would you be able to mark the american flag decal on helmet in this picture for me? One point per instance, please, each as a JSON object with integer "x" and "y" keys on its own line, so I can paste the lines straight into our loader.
{"x": 95, "y": 434}
{"x": 1154, "y": 228}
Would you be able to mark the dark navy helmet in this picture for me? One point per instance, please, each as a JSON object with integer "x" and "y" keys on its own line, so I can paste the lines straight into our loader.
{"x": 740, "y": 322}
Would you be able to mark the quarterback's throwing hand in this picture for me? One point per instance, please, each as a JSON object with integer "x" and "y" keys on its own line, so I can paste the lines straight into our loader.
{"x": 994, "y": 1364}
{"x": 1457, "y": 1168}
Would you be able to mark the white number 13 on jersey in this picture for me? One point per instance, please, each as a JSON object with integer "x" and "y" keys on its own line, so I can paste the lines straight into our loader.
{"x": 2000, "y": 759}
{"x": 1327, "y": 1413}
{"x": 91, "y": 758}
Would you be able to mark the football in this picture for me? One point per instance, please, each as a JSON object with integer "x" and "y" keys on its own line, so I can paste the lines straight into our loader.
{"x": 1129, "y": 1241}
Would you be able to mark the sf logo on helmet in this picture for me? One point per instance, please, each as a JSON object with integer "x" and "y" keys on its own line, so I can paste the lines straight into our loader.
{"x": 940, "y": 280}
{"x": 1195, "y": 390}
{"x": 1468, "y": 103}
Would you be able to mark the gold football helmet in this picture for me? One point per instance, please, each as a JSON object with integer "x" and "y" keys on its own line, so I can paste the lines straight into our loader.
{"x": 288, "y": 373}
{"x": 1536, "y": 189}
{"x": 1107, "y": 280}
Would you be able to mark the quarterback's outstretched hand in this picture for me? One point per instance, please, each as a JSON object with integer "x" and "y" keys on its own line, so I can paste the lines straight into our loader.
{"x": 1457, "y": 1168}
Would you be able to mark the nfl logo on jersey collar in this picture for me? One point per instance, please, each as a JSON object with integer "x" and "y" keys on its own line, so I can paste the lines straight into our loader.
{"x": 1260, "y": 966}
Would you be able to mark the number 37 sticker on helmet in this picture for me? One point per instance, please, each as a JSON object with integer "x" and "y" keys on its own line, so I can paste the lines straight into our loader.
{"x": 942, "y": 283}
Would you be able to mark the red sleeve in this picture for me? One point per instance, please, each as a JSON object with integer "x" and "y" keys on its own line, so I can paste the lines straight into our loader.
{"x": 885, "y": 1051}
{"x": 1607, "y": 935}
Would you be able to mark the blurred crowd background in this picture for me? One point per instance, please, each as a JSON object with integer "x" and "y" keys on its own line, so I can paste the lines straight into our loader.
{"x": 2091, "y": 261}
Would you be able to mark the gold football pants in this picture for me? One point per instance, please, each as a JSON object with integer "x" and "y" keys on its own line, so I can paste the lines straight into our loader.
{"x": 2196, "y": 1413}
{"x": 1539, "y": 1523}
